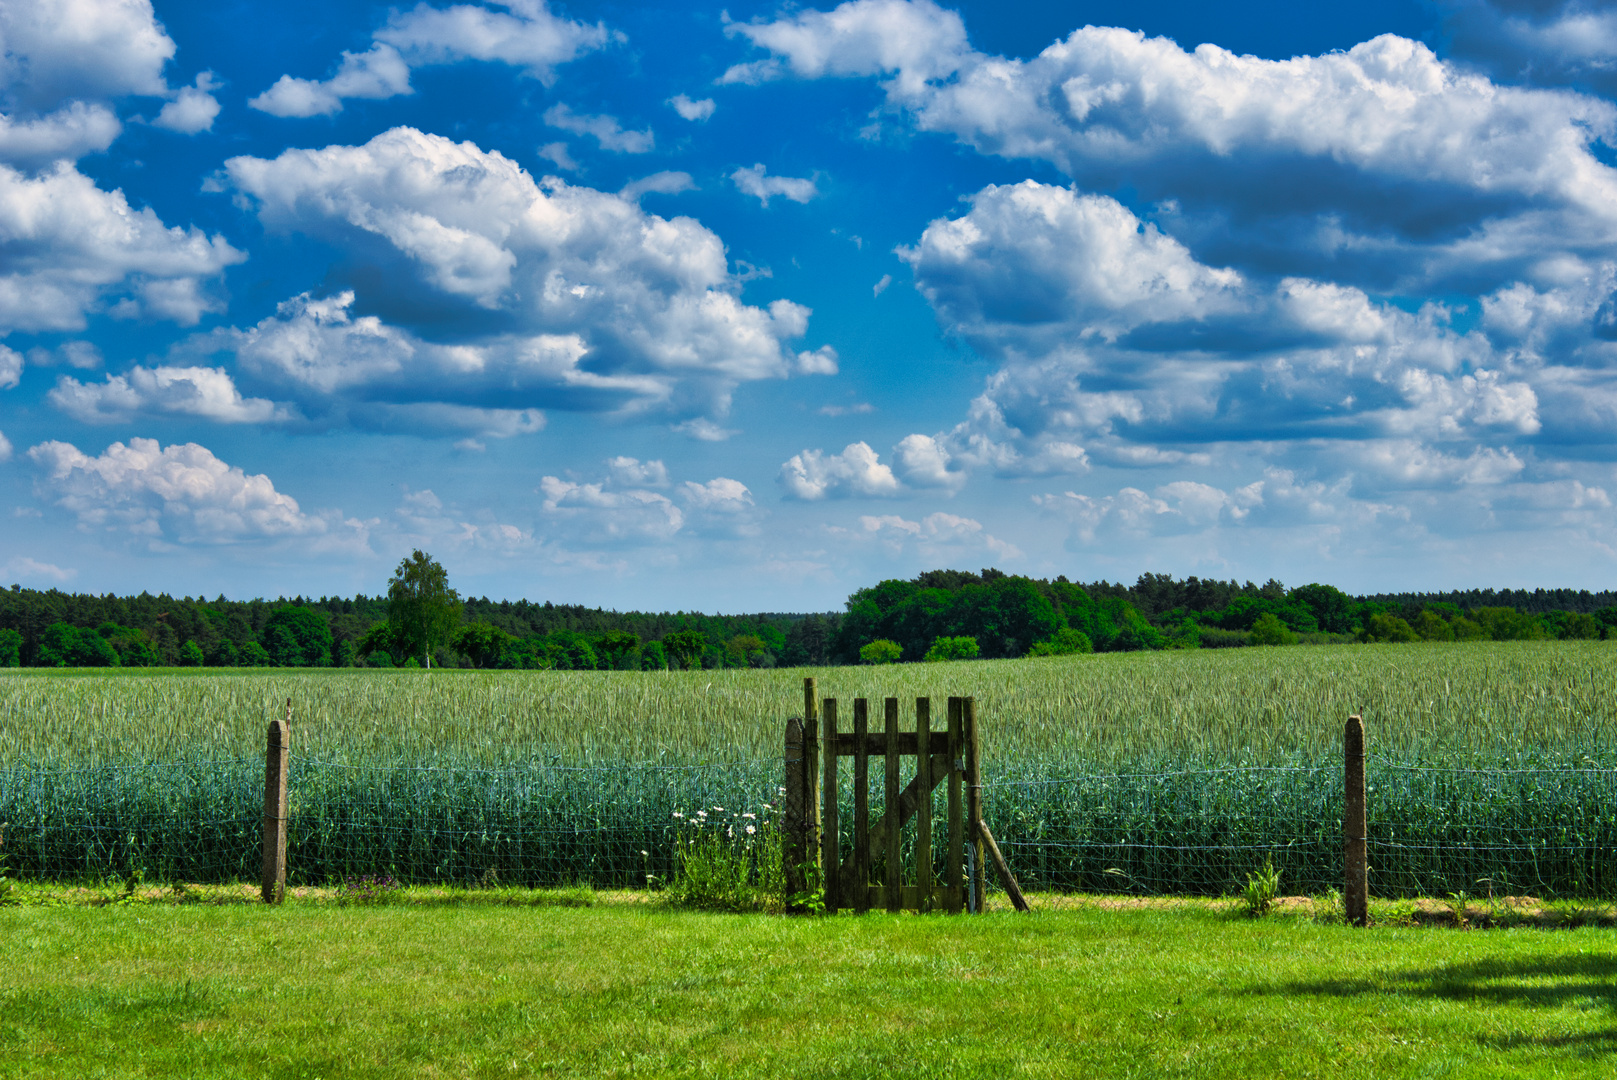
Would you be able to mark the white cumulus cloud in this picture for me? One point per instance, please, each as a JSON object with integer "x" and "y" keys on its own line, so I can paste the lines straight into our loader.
{"x": 208, "y": 393}
{"x": 856, "y": 472}
{"x": 602, "y": 305}
{"x": 525, "y": 35}
{"x": 754, "y": 182}
{"x": 66, "y": 246}
{"x": 179, "y": 493}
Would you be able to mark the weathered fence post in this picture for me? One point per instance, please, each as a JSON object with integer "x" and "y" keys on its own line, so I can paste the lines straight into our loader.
{"x": 830, "y": 857}
{"x": 794, "y": 810}
{"x": 974, "y": 800}
{"x": 1356, "y": 888}
{"x": 275, "y": 761}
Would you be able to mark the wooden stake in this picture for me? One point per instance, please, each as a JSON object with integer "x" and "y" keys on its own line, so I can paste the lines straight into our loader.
{"x": 923, "y": 810}
{"x": 830, "y": 863}
{"x": 952, "y": 878}
{"x": 1003, "y": 868}
{"x": 1356, "y": 887}
{"x": 278, "y": 744}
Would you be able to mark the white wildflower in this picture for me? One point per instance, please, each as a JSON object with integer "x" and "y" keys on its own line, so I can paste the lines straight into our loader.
{"x": 751, "y": 829}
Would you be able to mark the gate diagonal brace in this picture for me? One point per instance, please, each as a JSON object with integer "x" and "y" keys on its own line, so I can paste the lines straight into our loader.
{"x": 908, "y": 803}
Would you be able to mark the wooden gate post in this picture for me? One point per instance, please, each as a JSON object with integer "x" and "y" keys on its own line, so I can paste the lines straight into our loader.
{"x": 811, "y": 764}
{"x": 275, "y": 761}
{"x": 830, "y": 857}
{"x": 794, "y": 811}
{"x": 1356, "y": 887}
{"x": 974, "y": 800}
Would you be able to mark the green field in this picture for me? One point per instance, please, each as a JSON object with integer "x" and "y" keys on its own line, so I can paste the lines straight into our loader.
{"x": 1492, "y": 766}
{"x": 626, "y": 989}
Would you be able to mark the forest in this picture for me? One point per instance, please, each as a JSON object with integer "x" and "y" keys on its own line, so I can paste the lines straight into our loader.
{"x": 939, "y": 614}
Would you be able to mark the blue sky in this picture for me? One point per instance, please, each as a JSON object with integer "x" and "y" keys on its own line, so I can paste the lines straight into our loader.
{"x": 740, "y": 308}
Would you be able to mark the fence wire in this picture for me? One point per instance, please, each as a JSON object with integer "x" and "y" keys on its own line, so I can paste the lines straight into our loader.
{"x": 532, "y": 825}
{"x": 1545, "y": 831}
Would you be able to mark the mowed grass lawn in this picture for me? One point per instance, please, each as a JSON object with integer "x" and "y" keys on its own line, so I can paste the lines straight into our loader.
{"x": 632, "y": 989}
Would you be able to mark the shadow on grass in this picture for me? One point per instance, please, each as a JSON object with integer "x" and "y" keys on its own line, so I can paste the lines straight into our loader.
{"x": 1531, "y": 984}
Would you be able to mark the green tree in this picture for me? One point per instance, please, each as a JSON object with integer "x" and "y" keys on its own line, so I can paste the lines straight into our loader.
{"x": 10, "y": 648}
{"x": 748, "y": 650}
{"x": 484, "y": 645}
{"x": 298, "y": 636}
{"x": 421, "y": 606}
{"x": 1066, "y": 642}
{"x": 191, "y": 654}
{"x": 684, "y": 647}
{"x": 65, "y": 645}
{"x": 1267, "y": 629}
{"x": 1384, "y": 627}
{"x": 1432, "y": 626}
{"x": 881, "y": 651}
{"x": 952, "y": 648}
{"x": 618, "y": 648}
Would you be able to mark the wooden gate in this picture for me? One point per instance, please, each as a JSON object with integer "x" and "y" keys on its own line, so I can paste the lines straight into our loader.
{"x": 949, "y": 757}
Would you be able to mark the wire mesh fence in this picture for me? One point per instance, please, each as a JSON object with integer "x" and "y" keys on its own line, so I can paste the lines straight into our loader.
{"x": 1542, "y": 830}
{"x": 534, "y": 825}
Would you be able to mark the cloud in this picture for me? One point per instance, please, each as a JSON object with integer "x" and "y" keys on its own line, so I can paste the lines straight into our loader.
{"x": 180, "y": 493}
{"x": 83, "y": 355}
{"x": 558, "y": 155}
{"x": 692, "y": 110}
{"x": 917, "y": 42}
{"x": 857, "y": 409}
{"x": 57, "y": 50}
{"x": 663, "y": 183}
{"x": 605, "y": 130}
{"x": 10, "y": 368}
{"x": 68, "y": 133}
{"x": 526, "y": 35}
{"x": 421, "y": 520}
{"x": 62, "y": 62}
{"x": 881, "y": 286}
{"x": 22, "y": 568}
{"x": 194, "y": 109}
{"x": 5, "y": 447}
{"x": 1114, "y": 340}
{"x": 208, "y": 393}
{"x": 1404, "y": 169}
{"x": 66, "y": 247}
{"x": 1541, "y": 44}
{"x": 629, "y": 507}
{"x": 378, "y": 73}
{"x": 937, "y": 536}
{"x": 856, "y": 472}
{"x": 568, "y": 297}
{"x": 753, "y": 182}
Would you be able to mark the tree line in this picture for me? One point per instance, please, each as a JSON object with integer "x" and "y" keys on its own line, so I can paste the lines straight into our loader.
{"x": 937, "y": 615}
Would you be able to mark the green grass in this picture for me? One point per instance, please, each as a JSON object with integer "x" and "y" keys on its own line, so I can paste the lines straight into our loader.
{"x": 631, "y": 990}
